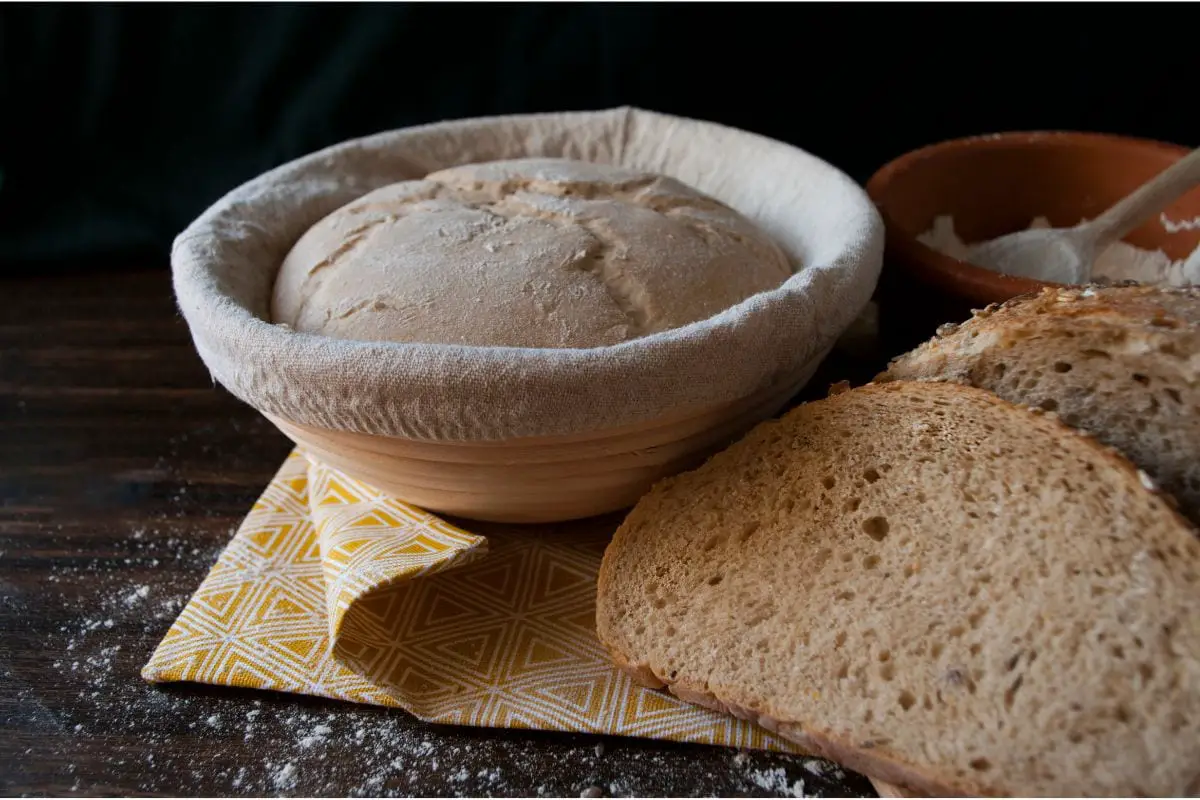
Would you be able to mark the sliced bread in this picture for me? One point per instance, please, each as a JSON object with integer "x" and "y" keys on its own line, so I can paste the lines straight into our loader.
{"x": 1122, "y": 363}
{"x": 930, "y": 585}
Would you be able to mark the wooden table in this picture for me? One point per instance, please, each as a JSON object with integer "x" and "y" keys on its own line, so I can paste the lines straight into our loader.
{"x": 124, "y": 472}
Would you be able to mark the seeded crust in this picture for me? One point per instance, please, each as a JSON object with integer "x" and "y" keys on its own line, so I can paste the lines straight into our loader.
{"x": 1121, "y": 362}
{"x": 702, "y": 649}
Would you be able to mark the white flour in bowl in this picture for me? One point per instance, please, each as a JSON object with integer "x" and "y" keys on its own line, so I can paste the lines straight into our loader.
{"x": 1121, "y": 261}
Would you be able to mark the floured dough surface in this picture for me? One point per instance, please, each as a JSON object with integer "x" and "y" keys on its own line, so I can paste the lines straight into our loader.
{"x": 524, "y": 253}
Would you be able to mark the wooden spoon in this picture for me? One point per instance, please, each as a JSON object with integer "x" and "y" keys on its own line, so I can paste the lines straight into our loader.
{"x": 1066, "y": 255}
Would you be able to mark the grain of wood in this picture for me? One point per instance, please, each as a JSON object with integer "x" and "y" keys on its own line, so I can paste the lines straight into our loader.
{"x": 121, "y": 469}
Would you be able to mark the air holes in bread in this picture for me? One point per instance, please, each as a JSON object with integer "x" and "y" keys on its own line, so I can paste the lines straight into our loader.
{"x": 876, "y": 528}
{"x": 1010, "y": 693}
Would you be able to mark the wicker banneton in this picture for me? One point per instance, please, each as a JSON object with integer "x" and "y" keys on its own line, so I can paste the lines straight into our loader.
{"x": 526, "y": 434}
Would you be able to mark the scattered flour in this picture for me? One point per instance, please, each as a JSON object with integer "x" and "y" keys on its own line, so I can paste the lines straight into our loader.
{"x": 783, "y": 781}
{"x": 814, "y": 766}
{"x": 137, "y": 595}
{"x": 284, "y": 777}
{"x": 315, "y": 736}
{"x": 776, "y": 780}
{"x": 1121, "y": 261}
{"x": 101, "y": 623}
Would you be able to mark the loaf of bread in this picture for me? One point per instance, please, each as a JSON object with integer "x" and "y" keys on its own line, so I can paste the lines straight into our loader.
{"x": 1122, "y": 363}
{"x": 930, "y": 585}
{"x": 524, "y": 253}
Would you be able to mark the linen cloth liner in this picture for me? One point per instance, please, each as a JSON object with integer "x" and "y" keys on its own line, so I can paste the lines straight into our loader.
{"x": 224, "y": 266}
{"x": 333, "y": 589}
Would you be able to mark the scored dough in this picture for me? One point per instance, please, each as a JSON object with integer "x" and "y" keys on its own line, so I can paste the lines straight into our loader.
{"x": 524, "y": 253}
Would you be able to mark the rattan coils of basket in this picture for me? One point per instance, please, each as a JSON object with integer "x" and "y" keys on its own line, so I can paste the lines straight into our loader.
{"x": 530, "y": 433}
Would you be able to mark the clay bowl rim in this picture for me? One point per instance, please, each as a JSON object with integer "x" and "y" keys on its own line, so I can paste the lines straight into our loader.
{"x": 962, "y": 277}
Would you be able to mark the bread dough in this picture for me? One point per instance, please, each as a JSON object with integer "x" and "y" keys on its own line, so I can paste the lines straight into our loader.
{"x": 524, "y": 253}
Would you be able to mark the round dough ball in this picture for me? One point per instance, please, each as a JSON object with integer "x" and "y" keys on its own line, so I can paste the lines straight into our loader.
{"x": 523, "y": 253}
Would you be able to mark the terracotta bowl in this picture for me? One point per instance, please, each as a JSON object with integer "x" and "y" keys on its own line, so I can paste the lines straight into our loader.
{"x": 997, "y": 184}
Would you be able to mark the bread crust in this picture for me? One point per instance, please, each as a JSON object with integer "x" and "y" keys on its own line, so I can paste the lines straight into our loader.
{"x": 1154, "y": 310}
{"x": 1150, "y": 311}
{"x": 868, "y": 758}
{"x": 873, "y": 762}
{"x": 1144, "y": 329}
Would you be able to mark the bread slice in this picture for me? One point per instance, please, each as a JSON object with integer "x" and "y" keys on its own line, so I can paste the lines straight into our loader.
{"x": 930, "y": 585}
{"x": 1122, "y": 363}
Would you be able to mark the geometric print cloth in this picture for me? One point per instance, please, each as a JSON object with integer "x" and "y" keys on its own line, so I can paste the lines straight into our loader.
{"x": 331, "y": 588}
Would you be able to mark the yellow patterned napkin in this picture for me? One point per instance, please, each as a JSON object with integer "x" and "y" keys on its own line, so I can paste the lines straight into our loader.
{"x": 330, "y": 588}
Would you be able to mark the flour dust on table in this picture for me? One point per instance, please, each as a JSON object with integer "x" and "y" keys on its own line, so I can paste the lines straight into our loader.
{"x": 286, "y": 745}
{"x": 126, "y": 484}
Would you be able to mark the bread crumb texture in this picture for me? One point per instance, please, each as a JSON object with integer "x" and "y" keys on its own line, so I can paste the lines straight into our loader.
{"x": 931, "y": 585}
{"x": 524, "y": 253}
{"x": 1122, "y": 363}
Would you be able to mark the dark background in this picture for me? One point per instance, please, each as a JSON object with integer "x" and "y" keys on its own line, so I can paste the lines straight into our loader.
{"x": 121, "y": 466}
{"x": 120, "y": 123}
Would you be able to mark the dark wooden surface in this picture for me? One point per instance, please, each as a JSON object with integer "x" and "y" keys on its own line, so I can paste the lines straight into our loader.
{"x": 123, "y": 473}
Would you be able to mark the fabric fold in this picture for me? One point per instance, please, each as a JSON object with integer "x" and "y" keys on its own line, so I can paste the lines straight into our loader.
{"x": 331, "y": 588}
